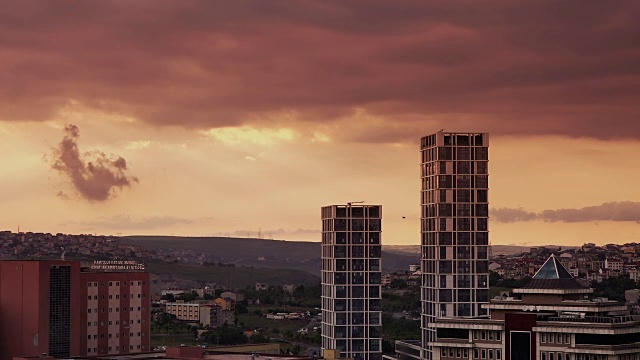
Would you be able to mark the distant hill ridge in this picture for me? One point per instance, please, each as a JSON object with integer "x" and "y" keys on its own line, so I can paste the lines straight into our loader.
{"x": 302, "y": 255}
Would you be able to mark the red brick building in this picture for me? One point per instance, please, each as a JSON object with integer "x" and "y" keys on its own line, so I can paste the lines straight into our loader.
{"x": 60, "y": 309}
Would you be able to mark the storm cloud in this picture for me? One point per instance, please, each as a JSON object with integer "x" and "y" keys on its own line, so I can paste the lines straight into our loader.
{"x": 609, "y": 211}
{"x": 525, "y": 68}
{"x": 95, "y": 175}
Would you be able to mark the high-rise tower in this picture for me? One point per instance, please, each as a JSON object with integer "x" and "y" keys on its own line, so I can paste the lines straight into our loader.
{"x": 455, "y": 233}
{"x": 351, "y": 280}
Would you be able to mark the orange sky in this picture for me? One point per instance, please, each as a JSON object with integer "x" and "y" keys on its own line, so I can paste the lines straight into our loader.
{"x": 198, "y": 118}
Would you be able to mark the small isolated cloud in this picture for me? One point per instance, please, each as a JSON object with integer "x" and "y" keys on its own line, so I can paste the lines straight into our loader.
{"x": 509, "y": 215}
{"x": 95, "y": 175}
{"x": 609, "y": 211}
{"x": 127, "y": 222}
{"x": 250, "y": 158}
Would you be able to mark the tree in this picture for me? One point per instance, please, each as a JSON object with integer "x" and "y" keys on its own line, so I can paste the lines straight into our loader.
{"x": 494, "y": 277}
{"x": 258, "y": 338}
{"x": 241, "y": 309}
{"x": 398, "y": 284}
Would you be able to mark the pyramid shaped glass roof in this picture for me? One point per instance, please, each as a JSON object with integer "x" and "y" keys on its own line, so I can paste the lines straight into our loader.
{"x": 552, "y": 269}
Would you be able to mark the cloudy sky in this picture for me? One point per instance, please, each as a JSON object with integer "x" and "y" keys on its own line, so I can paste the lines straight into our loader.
{"x": 227, "y": 117}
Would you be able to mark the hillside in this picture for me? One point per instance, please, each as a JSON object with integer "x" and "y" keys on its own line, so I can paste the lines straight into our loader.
{"x": 235, "y": 277}
{"x": 496, "y": 249}
{"x": 256, "y": 252}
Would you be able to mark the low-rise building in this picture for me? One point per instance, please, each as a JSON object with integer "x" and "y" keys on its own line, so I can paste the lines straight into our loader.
{"x": 613, "y": 264}
{"x": 184, "y": 310}
{"x": 232, "y": 295}
{"x": 261, "y": 286}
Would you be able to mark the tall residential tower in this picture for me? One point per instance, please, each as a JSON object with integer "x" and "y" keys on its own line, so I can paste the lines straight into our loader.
{"x": 351, "y": 280}
{"x": 454, "y": 227}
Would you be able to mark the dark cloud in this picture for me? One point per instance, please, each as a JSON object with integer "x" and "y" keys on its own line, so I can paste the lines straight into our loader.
{"x": 526, "y": 67}
{"x": 609, "y": 211}
{"x": 125, "y": 222}
{"x": 94, "y": 175}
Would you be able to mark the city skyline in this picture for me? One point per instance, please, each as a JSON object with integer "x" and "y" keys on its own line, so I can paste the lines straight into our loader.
{"x": 206, "y": 122}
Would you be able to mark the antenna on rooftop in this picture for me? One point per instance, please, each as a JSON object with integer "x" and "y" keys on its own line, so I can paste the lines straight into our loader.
{"x": 355, "y": 202}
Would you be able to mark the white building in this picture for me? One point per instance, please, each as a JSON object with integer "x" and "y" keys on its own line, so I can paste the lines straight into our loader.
{"x": 351, "y": 280}
{"x": 455, "y": 233}
{"x": 613, "y": 264}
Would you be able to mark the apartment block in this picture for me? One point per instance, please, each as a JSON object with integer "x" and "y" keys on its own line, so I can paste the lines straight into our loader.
{"x": 454, "y": 228}
{"x": 62, "y": 310}
{"x": 351, "y": 280}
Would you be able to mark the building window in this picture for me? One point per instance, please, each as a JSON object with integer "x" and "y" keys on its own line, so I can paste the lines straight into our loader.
{"x": 89, "y": 297}
{"x": 491, "y": 354}
{"x": 458, "y": 353}
{"x": 484, "y": 354}
{"x": 543, "y": 338}
{"x": 498, "y": 354}
{"x": 498, "y": 335}
{"x": 551, "y": 338}
{"x": 543, "y": 356}
{"x": 109, "y": 348}
{"x": 484, "y": 335}
{"x": 475, "y": 353}
{"x": 89, "y": 350}
{"x": 88, "y": 337}
{"x": 476, "y": 334}
{"x": 89, "y": 311}
{"x": 551, "y": 356}
{"x": 490, "y": 333}
{"x": 567, "y": 339}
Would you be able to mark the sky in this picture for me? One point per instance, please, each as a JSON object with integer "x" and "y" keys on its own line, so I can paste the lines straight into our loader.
{"x": 243, "y": 118}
